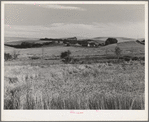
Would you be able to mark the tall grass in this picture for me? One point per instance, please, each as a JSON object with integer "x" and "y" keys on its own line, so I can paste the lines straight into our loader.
{"x": 74, "y": 86}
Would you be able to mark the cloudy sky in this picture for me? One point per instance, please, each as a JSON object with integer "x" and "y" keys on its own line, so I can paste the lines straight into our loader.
{"x": 67, "y": 20}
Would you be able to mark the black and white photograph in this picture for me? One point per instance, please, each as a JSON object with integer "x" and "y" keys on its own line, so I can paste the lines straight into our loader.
{"x": 85, "y": 59}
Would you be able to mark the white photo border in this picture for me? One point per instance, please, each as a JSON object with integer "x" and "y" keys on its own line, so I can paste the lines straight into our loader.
{"x": 66, "y": 115}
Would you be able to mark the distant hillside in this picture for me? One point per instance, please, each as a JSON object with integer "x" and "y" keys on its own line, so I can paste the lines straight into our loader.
{"x": 97, "y": 40}
{"x": 14, "y": 39}
{"x": 120, "y": 39}
{"x": 141, "y": 39}
{"x": 100, "y": 38}
{"x": 126, "y": 47}
{"x": 19, "y": 42}
{"x": 81, "y": 38}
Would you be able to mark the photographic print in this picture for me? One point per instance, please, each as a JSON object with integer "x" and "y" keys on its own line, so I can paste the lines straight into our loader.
{"x": 74, "y": 58}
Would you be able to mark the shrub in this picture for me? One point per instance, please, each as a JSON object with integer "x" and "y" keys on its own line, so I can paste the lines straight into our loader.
{"x": 127, "y": 58}
{"x": 7, "y": 56}
{"x": 65, "y": 56}
{"x": 15, "y": 55}
{"x": 34, "y": 57}
{"x": 135, "y": 58}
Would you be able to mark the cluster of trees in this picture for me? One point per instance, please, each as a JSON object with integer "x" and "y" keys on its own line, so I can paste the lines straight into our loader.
{"x": 91, "y": 42}
{"x": 67, "y": 42}
{"x": 141, "y": 42}
{"x": 30, "y": 45}
{"x": 111, "y": 41}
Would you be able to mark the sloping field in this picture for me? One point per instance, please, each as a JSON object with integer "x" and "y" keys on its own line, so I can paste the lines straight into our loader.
{"x": 20, "y": 41}
{"x": 131, "y": 44}
{"x": 17, "y": 40}
{"x": 123, "y": 39}
{"x": 100, "y": 38}
{"x": 126, "y": 47}
{"x": 120, "y": 39}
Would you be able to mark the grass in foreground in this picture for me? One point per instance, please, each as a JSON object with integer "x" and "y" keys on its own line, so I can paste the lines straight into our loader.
{"x": 95, "y": 86}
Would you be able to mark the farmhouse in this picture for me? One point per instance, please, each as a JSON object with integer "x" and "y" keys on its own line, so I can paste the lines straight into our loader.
{"x": 92, "y": 44}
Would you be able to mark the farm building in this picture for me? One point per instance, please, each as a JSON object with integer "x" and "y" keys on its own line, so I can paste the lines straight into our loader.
{"x": 88, "y": 43}
{"x": 83, "y": 43}
{"x": 92, "y": 44}
{"x": 72, "y": 40}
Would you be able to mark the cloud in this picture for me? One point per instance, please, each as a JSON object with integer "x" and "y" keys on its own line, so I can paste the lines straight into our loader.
{"x": 57, "y": 24}
{"x": 25, "y": 28}
{"x": 57, "y": 30}
{"x": 25, "y": 31}
{"x": 55, "y": 6}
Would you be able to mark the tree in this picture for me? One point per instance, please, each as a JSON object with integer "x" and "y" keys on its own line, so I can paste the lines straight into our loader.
{"x": 118, "y": 52}
{"x": 65, "y": 56}
{"x": 111, "y": 41}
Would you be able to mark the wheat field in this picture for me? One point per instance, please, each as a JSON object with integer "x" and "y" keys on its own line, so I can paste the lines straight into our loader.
{"x": 75, "y": 86}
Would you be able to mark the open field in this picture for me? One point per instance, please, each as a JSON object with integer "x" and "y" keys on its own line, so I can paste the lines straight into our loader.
{"x": 120, "y": 39}
{"x": 67, "y": 86}
{"x": 38, "y": 79}
{"x": 128, "y": 48}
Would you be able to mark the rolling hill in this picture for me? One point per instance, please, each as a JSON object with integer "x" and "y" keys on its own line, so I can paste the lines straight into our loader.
{"x": 15, "y": 39}
{"x": 120, "y": 39}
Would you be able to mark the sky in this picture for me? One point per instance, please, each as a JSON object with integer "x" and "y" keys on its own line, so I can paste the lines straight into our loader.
{"x": 74, "y": 20}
